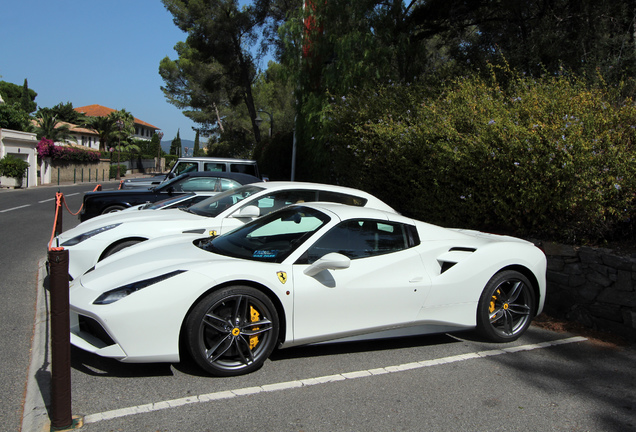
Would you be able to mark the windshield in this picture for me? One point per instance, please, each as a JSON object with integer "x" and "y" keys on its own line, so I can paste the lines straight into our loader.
{"x": 166, "y": 184}
{"x": 165, "y": 203}
{"x": 213, "y": 206}
{"x": 270, "y": 238}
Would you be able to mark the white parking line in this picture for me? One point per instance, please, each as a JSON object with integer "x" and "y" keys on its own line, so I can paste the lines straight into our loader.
{"x": 14, "y": 208}
{"x": 228, "y": 394}
{"x": 46, "y": 200}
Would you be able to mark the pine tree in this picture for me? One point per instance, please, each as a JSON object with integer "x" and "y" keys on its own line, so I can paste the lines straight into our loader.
{"x": 26, "y": 102}
{"x": 175, "y": 147}
{"x": 196, "y": 151}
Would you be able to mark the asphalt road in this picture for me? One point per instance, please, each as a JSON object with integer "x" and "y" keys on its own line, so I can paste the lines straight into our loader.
{"x": 26, "y": 224}
{"x": 545, "y": 381}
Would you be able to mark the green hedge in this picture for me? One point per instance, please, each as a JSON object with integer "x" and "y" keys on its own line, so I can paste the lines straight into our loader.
{"x": 113, "y": 171}
{"x": 547, "y": 157}
{"x": 11, "y": 166}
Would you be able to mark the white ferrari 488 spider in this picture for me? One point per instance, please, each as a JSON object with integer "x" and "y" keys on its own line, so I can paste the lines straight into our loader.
{"x": 304, "y": 274}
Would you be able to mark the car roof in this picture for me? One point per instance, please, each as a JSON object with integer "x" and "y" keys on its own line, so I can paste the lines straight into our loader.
{"x": 216, "y": 159}
{"x": 344, "y": 212}
{"x": 283, "y": 185}
{"x": 240, "y": 177}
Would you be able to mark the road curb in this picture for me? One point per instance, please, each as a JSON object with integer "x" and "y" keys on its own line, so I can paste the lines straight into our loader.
{"x": 35, "y": 416}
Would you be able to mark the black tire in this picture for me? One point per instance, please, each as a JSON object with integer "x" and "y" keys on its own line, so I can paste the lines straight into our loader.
{"x": 113, "y": 209}
{"x": 506, "y": 307}
{"x": 118, "y": 247}
{"x": 232, "y": 331}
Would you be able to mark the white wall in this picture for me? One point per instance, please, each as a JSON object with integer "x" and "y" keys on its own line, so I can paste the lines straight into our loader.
{"x": 22, "y": 145}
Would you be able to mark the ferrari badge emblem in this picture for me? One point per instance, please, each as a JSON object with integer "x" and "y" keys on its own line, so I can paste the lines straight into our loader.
{"x": 282, "y": 276}
{"x": 213, "y": 233}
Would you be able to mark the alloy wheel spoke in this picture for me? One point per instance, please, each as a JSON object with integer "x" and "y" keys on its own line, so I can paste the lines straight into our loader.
{"x": 217, "y": 323}
{"x": 257, "y": 327}
{"x": 514, "y": 292}
{"x": 508, "y": 321}
{"x": 519, "y": 309}
{"x": 496, "y": 315}
{"x": 241, "y": 346}
{"x": 240, "y": 310}
{"x": 212, "y": 354}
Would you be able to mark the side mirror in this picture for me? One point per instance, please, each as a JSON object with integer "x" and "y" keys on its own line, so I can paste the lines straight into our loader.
{"x": 331, "y": 261}
{"x": 250, "y": 212}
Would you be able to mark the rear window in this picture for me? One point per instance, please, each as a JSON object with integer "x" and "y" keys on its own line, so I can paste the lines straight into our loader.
{"x": 244, "y": 169}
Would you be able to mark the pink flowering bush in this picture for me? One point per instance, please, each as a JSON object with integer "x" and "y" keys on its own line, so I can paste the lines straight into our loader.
{"x": 46, "y": 148}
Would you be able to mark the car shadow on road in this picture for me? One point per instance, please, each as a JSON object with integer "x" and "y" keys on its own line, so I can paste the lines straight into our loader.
{"x": 373, "y": 345}
{"x": 94, "y": 365}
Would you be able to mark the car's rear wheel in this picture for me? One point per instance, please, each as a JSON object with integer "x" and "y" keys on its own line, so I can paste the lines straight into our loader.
{"x": 506, "y": 307}
{"x": 232, "y": 331}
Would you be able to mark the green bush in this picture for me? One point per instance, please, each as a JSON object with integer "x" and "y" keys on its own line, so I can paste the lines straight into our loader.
{"x": 11, "y": 166}
{"x": 113, "y": 171}
{"x": 546, "y": 157}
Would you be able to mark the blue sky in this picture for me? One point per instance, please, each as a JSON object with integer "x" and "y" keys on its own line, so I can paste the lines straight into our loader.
{"x": 94, "y": 52}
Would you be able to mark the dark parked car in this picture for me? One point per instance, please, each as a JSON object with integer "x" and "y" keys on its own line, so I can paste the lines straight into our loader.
{"x": 100, "y": 202}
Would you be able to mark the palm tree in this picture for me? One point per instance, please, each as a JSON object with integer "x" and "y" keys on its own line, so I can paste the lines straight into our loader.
{"x": 47, "y": 126}
{"x": 124, "y": 128}
{"x": 104, "y": 127}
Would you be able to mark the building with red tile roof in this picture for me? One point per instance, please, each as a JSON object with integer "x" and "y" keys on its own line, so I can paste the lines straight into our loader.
{"x": 143, "y": 130}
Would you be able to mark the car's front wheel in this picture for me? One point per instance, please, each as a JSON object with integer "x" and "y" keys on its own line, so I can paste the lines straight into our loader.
{"x": 119, "y": 246}
{"x": 506, "y": 307}
{"x": 232, "y": 331}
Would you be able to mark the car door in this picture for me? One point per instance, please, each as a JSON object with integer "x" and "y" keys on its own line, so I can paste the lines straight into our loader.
{"x": 384, "y": 287}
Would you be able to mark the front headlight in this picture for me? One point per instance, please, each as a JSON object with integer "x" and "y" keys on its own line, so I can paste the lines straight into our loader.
{"x": 80, "y": 238}
{"x": 119, "y": 293}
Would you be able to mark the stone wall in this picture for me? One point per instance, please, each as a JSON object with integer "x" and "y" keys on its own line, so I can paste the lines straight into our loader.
{"x": 594, "y": 287}
{"x": 78, "y": 173}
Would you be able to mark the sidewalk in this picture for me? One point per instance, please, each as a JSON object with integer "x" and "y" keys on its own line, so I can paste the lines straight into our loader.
{"x": 35, "y": 417}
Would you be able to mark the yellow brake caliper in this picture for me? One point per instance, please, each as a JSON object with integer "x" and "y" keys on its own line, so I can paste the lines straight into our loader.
{"x": 491, "y": 309}
{"x": 255, "y": 316}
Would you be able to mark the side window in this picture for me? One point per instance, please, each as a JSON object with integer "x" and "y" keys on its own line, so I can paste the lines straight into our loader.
{"x": 277, "y": 200}
{"x": 194, "y": 184}
{"x": 227, "y": 184}
{"x": 342, "y": 198}
{"x": 184, "y": 167}
{"x": 214, "y": 166}
{"x": 360, "y": 239}
{"x": 244, "y": 169}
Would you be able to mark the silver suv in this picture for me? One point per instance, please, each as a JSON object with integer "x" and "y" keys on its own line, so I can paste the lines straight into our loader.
{"x": 192, "y": 164}
{"x": 243, "y": 166}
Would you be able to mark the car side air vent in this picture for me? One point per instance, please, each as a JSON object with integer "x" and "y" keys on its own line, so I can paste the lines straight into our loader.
{"x": 462, "y": 249}
{"x": 454, "y": 255}
{"x": 446, "y": 265}
{"x": 194, "y": 231}
{"x": 92, "y": 327}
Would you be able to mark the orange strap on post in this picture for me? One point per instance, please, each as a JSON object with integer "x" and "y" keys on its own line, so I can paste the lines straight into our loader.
{"x": 69, "y": 210}
{"x": 59, "y": 197}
